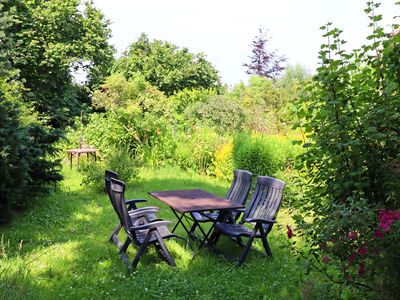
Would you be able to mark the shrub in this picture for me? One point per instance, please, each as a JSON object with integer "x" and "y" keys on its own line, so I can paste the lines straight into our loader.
{"x": 120, "y": 161}
{"x": 195, "y": 151}
{"x": 351, "y": 164}
{"x": 223, "y": 164}
{"x": 218, "y": 112}
{"x": 263, "y": 154}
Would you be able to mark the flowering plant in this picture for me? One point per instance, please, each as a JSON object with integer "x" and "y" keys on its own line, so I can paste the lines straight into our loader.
{"x": 348, "y": 210}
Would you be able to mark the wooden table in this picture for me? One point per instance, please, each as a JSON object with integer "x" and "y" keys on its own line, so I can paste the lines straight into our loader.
{"x": 78, "y": 152}
{"x": 183, "y": 202}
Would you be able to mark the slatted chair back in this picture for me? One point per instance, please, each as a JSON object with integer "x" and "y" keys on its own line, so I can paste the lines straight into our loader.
{"x": 240, "y": 188}
{"x": 118, "y": 197}
{"x": 266, "y": 200}
{"x": 107, "y": 178}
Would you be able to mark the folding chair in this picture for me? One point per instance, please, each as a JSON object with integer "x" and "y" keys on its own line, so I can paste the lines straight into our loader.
{"x": 142, "y": 234}
{"x": 238, "y": 193}
{"x": 149, "y": 211}
{"x": 260, "y": 213}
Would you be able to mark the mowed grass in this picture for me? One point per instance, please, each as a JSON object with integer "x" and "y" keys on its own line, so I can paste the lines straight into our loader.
{"x": 59, "y": 249}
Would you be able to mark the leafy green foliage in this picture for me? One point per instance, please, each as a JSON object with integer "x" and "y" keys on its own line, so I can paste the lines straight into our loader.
{"x": 45, "y": 41}
{"x": 351, "y": 118}
{"x": 167, "y": 67}
{"x": 195, "y": 151}
{"x": 116, "y": 91}
{"x": 188, "y": 97}
{"x": 120, "y": 161}
{"x": 267, "y": 104}
{"x": 262, "y": 154}
{"x": 25, "y": 150}
{"x": 218, "y": 112}
{"x": 223, "y": 163}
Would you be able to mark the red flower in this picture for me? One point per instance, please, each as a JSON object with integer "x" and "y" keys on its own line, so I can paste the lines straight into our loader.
{"x": 379, "y": 234}
{"x": 289, "y": 232}
{"x": 351, "y": 259}
{"x": 362, "y": 250}
{"x": 361, "y": 269}
{"x": 325, "y": 259}
{"x": 352, "y": 235}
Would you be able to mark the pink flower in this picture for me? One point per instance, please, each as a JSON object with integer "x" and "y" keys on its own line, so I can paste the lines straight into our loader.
{"x": 362, "y": 250}
{"x": 352, "y": 235}
{"x": 325, "y": 259}
{"x": 289, "y": 231}
{"x": 386, "y": 218}
{"x": 379, "y": 234}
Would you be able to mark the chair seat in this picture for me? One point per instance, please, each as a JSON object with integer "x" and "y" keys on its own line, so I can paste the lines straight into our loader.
{"x": 163, "y": 230}
{"x": 143, "y": 219}
{"x": 234, "y": 230}
{"x": 204, "y": 217}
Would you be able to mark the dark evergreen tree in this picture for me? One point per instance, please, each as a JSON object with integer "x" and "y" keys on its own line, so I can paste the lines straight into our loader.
{"x": 264, "y": 62}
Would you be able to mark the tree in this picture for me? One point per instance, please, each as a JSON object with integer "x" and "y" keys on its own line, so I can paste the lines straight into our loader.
{"x": 166, "y": 66}
{"x": 264, "y": 62}
{"x": 45, "y": 40}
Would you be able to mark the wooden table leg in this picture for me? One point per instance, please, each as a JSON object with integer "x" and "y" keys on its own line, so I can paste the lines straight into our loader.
{"x": 70, "y": 161}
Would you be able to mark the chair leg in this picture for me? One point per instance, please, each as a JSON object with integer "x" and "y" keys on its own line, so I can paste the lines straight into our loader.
{"x": 214, "y": 237}
{"x": 142, "y": 249}
{"x": 115, "y": 233}
{"x": 265, "y": 241}
{"x": 239, "y": 241}
{"x": 248, "y": 246}
{"x": 125, "y": 245}
{"x": 167, "y": 254}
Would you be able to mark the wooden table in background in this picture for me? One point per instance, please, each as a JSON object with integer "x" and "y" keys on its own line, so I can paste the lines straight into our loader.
{"x": 78, "y": 152}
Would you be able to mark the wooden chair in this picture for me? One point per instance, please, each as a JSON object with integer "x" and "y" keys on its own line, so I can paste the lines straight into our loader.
{"x": 131, "y": 206}
{"x": 260, "y": 213}
{"x": 238, "y": 193}
{"x": 140, "y": 233}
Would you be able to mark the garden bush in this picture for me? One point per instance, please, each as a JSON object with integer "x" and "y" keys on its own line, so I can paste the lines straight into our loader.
{"x": 223, "y": 164}
{"x": 350, "y": 170}
{"x": 120, "y": 161}
{"x": 195, "y": 150}
{"x": 263, "y": 154}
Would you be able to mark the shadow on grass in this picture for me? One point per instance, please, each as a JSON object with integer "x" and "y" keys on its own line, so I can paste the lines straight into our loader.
{"x": 69, "y": 231}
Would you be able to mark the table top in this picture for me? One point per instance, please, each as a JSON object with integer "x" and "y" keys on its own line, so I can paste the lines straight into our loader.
{"x": 194, "y": 200}
{"x": 82, "y": 150}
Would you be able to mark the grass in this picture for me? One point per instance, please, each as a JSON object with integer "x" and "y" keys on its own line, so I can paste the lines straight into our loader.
{"x": 59, "y": 249}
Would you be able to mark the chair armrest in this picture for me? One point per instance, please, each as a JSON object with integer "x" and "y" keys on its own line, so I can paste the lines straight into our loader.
{"x": 141, "y": 212}
{"x": 136, "y": 200}
{"x": 148, "y": 209}
{"x": 151, "y": 225}
{"x": 262, "y": 221}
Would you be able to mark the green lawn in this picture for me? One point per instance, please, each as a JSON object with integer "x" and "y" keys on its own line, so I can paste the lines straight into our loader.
{"x": 59, "y": 249}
